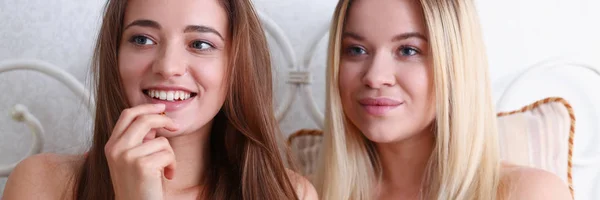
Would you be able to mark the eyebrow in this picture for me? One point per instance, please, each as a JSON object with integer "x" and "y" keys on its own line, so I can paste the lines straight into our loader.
{"x": 353, "y": 36}
{"x": 202, "y": 29}
{"x": 190, "y": 28}
{"x": 408, "y": 35}
{"x": 400, "y": 37}
{"x": 144, "y": 23}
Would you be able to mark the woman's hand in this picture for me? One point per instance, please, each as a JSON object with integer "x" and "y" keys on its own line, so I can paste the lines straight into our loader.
{"x": 136, "y": 159}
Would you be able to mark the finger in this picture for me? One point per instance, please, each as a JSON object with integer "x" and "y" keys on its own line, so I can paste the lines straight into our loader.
{"x": 138, "y": 130}
{"x": 150, "y": 136}
{"x": 150, "y": 147}
{"x": 169, "y": 171}
{"x": 129, "y": 115}
{"x": 163, "y": 161}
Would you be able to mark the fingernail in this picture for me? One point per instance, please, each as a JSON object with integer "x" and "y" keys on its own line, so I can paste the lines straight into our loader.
{"x": 161, "y": 106}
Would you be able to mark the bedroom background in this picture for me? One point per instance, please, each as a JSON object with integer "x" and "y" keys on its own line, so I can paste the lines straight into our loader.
{"x": 519, "y": 35}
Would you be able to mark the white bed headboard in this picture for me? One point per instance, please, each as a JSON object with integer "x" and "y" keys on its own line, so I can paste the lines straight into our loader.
{"x": 524, "y": 67}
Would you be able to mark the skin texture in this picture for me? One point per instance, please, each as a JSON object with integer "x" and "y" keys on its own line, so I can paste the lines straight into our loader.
{"x": 174, "y": 54}
{"x": 391, "y": 59}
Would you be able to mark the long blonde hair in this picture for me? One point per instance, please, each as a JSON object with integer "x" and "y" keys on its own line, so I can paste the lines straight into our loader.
{"x": 465, "y": 161}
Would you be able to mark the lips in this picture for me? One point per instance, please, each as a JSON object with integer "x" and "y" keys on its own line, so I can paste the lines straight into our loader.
{"x": 169, "y": 95}
{"x": 379, "y": 102}
{"x": 379, "y": 106}
{"x": 174, "y": 98}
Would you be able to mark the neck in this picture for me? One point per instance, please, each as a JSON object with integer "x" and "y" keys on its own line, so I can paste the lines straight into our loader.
{"x": 190, "y": 150}
{"x": 403, "y": 163}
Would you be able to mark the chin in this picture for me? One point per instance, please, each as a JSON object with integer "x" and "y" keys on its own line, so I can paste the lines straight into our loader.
{"x": 382, "y": 137}
{"x": 386, "y": 135}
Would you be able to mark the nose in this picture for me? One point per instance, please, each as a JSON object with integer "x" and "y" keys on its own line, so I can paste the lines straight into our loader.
{"x": 380, "y": 72}
{"x": 170, "y": 62}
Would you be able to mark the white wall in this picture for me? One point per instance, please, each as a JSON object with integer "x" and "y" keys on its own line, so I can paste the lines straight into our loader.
{"x": 518, "y": 34}
{"x": 521, "y": 33}
{"x": 60, "y": 32}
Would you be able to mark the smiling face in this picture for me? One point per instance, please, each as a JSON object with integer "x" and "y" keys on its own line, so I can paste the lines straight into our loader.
{"x": 385, "y": 75}
{"x": 175, "y": 53}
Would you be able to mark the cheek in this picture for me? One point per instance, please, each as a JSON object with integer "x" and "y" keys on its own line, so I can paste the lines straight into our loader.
{"x": 350, "y": 85}
{"x": 210, "y": 77}
{"x": 418, "y": 84}
{"x": 132, "y": 64}
{"x": 349, "y": 80}
{"x": 132, "y": 67}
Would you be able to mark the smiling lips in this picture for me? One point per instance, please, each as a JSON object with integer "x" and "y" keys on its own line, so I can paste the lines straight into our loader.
{"x": 164, "y": 95}
{"x": 379, "y": 106}
{"x": 173, "y": 99}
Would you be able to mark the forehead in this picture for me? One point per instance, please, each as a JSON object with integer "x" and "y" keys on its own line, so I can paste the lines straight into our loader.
{"x": 385, "y": 17}
{"x": 176, "y": 14}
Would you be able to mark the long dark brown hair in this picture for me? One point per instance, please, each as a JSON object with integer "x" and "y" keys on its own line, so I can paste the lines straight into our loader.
{"x": 245, "y": 159}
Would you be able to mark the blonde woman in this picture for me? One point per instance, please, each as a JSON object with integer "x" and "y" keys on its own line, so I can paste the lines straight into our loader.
{"x": 409, "y": 111}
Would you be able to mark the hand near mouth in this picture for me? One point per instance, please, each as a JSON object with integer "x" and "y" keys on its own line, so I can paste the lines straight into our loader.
{"x": 152, "y": 134}
{"x": 137, "y": 159}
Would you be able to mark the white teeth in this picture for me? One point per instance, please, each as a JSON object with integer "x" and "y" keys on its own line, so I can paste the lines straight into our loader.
{"x": 169, "y": 95}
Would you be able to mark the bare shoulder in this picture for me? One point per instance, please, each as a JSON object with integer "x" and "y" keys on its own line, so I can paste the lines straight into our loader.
{"x": 531, "y": 183}
{"x": 304, "y": 189}
{"x": 43, "y": 176}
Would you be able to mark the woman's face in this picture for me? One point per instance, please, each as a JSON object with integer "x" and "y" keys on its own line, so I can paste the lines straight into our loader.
{"x": 385, "y": 75}
{"x": 175, "y": 53}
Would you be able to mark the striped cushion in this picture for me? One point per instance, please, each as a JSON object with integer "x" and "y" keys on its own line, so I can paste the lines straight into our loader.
{"x": 540, "y": 135}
